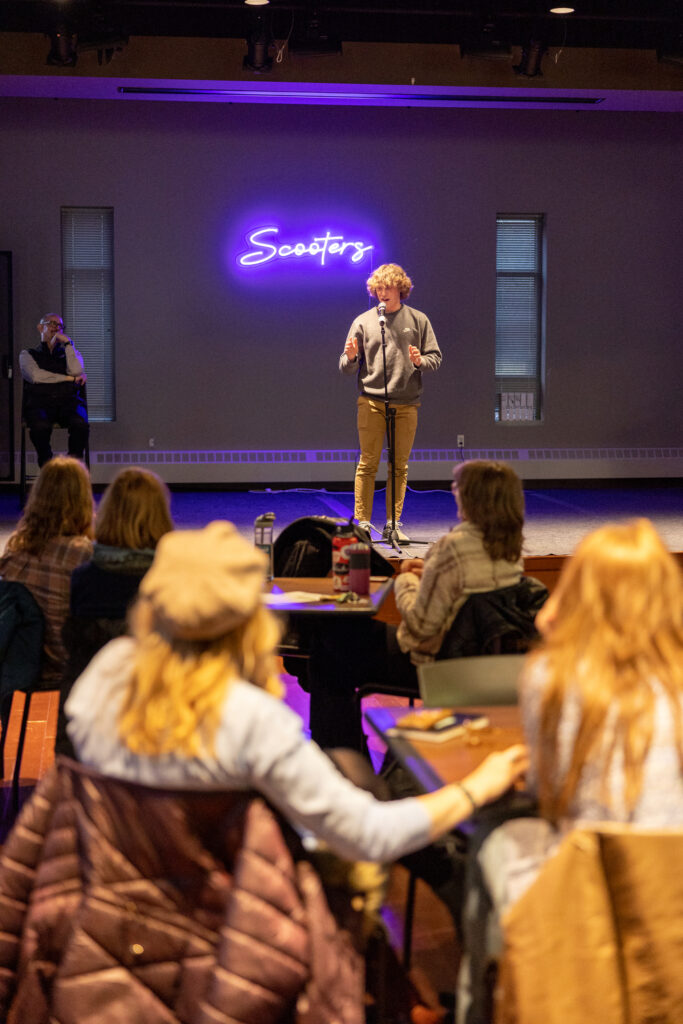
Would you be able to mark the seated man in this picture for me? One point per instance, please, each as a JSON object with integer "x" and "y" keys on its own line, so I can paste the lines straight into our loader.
{"x": 53, "y": 373}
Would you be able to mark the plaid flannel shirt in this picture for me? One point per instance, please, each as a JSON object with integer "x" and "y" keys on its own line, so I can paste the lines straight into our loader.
{"x": 48, "y": 577}
{"x": 455, "y": 566}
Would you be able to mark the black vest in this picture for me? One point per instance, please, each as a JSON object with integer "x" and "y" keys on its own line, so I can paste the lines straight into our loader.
{"x": 53, "y": 362}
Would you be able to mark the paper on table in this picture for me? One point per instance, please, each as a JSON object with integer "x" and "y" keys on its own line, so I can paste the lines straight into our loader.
{"x": 295, "y": 597}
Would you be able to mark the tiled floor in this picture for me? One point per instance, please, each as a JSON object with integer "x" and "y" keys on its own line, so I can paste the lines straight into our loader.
{"x": 40, "y": 736}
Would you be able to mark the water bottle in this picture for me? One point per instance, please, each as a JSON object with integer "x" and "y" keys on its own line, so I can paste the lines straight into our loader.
{"x": 359, "y": 568}
{"x": 344, "y": 535}
{"x": 263, "y": 538}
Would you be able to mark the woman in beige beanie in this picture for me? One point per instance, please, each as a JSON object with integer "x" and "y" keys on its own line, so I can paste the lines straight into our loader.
{"x": 192, "y": 700}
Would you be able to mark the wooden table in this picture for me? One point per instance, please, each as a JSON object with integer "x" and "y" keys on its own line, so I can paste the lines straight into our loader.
{"x": 334, "y": 718}
{"x": 380, "y": 586}
{"x": 434, "y": 764}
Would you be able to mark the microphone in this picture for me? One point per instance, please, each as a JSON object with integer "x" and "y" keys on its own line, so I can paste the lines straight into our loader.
{"x": 382, "y": 312}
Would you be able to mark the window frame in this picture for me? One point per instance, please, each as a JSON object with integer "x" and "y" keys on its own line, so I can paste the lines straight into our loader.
{"x": 520, "y": 396}
{"x": 87, "y": 248}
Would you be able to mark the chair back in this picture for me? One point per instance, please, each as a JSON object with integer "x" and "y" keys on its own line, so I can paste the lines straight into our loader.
{"x": 81, "y": 393}
{"x": 22, "y": 625}
{"x": 470, "y": 682}
{"x": 599, "y": 933}
{"x": 80, "y": 390}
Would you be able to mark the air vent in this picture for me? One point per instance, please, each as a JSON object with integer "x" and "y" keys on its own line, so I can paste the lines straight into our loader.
{"x": 319, "y": 456}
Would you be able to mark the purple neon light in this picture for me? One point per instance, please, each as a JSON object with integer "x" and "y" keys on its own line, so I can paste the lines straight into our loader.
{"x": 455, "y": 97}
{"x": 267, "y": 246}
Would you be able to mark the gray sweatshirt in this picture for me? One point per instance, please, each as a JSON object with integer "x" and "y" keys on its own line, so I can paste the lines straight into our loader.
{"x": 405, "y": 327}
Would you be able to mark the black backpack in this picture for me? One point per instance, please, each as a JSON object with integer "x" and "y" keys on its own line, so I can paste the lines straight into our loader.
{"x": 304, "y": 548}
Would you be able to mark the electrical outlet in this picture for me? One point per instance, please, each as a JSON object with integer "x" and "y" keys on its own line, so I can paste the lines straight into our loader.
{"x": 152, "y": 442}
{"x": 461, "y": 440}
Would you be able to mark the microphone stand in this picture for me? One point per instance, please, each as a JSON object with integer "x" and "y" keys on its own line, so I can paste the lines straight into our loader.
{"x": 390, "y": 419}
{"x": 390, "y": 415}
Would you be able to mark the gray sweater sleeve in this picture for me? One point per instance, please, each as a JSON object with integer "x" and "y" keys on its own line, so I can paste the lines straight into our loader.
{"x": 296, "y": 776}
{"x": 429, "y": 348}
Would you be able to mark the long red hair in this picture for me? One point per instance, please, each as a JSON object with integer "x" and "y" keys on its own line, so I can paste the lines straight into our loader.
{"x": 616, "y": 627}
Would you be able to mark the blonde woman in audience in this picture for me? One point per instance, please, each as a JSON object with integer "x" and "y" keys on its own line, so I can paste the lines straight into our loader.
{"x": 133, "y": 515}
{"x": 53, "y": 537}
{"x": 602, "y": 706}
{"x": 193, "y": 700}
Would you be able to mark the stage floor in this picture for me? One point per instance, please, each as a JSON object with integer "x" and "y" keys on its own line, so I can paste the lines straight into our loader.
{"x": 556, "y": 517}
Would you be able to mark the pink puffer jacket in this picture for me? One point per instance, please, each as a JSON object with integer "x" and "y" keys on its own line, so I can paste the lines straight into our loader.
{"x": 123, "y": 903}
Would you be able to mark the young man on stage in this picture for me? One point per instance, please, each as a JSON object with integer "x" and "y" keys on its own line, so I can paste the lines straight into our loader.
{"x": 411, "y": 348}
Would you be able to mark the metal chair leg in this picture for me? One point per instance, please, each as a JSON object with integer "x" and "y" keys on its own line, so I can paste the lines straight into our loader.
{"x": 22, "y": 467}
{"x": 16, "y": 777}
{"x": 408, "y": 921}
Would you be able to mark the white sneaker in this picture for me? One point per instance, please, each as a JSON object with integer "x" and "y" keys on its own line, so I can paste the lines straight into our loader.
{"x": 366, "y": 525}
{"x": 401, "y": 537}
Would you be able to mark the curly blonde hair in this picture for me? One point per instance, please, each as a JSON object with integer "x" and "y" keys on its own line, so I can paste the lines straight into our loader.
{"x": 174, "y": 700}
{"x": 615, "y": 627}
{"x": 391, "y": 276}
{"x": 134, "y": 511}
{"x": 60, "y": 505}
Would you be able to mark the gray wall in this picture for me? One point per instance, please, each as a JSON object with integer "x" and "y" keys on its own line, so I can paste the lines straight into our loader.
{"x": 206, "y": 360}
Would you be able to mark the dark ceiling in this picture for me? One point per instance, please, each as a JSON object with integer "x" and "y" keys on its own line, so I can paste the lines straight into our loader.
{"x": 637, "y": 24}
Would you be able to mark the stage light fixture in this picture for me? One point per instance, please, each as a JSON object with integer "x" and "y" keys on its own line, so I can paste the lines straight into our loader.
{"x": 105, "y": 44}
{"x": 259, "y": 42}
{"x": 63, "y": 53}
{"x": 562, "y": 10}
{"x": 671, "y": 50}
{"x": 489, "y": 42}
{"x": 532, "y": 56}
{"x": 311, "y": 37}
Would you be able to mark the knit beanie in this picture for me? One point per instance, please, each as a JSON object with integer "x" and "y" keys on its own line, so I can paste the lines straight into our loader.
{"x": 204, "y": 583}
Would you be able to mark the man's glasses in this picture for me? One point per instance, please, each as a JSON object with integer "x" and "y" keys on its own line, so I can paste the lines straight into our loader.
{"x": 53, "y": 323}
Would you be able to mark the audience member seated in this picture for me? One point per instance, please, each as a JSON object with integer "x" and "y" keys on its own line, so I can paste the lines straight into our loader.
{"x": 133, "y": 515}
{"x": 483, "y": 553}
{"x": 192, "y": 700}
{"x": 53, "y": 537}
{"x": 602, "y": 705}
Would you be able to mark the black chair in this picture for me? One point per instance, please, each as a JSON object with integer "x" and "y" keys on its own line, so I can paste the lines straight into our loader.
{"x": 22, "y": 626}
{"x": 24, "y": 478}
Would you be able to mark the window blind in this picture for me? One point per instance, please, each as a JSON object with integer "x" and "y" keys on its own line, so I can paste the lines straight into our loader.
{"x": 88, "y": 299}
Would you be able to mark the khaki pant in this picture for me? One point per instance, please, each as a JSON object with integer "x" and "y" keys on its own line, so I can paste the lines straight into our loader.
{"x": 371, "y": 437}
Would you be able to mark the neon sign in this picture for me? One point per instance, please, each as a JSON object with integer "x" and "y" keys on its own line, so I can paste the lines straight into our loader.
{"x": 267, "y": 248}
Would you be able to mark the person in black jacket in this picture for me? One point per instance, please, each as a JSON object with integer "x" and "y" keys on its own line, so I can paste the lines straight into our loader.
{"x": 54, "y": 376}
{"x": 134, "y": 514}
